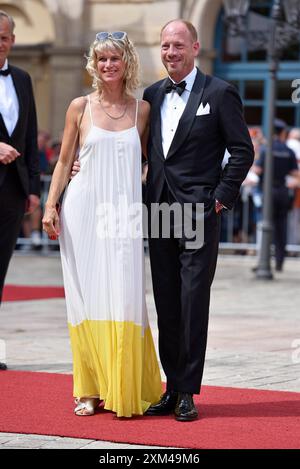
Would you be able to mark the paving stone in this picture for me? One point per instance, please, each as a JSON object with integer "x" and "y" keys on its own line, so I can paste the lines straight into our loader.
{"x": 109, "y": 445}
{"x": 67, "y": 443}
{"x": 30, "y": 442}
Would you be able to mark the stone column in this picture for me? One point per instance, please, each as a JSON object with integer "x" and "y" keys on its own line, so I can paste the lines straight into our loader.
{"x": 35, "y": 60}
{"x": 67, "y": 69}
{"x": 67, "y": 57}
{"x": 204, "y": 14}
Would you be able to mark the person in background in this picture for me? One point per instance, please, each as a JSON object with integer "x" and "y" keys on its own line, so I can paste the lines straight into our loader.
{"x": 19, "y": 161}
{"x": 293, "y": 142}
{"x": 252, "y": 187}
{"x": 54, "y": 156}
{"x": 32, "y": 222}
{"x": 285, "y": 179}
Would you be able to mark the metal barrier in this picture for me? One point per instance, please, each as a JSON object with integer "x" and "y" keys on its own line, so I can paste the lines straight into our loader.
{"x": 243, "y": 225}
{"x": 239, "y": 229}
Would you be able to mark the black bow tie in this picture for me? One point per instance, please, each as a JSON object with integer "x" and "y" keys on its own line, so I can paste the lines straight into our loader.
{"x": 178, "y": 87}
{"x": 5, "y": 73}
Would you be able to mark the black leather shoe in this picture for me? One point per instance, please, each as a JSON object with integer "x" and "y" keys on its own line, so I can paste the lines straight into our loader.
{"x": 3, "y": 366}
{"x": 165, "y": 406}
{"x": 185, "y": 410}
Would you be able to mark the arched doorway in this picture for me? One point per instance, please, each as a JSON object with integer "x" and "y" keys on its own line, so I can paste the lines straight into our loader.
{"x": 204, "y": 16}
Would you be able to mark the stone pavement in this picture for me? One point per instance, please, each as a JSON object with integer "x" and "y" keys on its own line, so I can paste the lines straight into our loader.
{"x": 254, "y": 333}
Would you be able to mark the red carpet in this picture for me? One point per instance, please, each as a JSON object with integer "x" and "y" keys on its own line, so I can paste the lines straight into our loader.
{"x": 28, "y": 292}
{"x": 42, "y": 403}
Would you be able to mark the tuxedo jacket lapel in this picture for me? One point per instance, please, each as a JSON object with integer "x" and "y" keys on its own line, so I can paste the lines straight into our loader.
{"x": 21, "y": 96}
{"x": 156, "y": 120}
{"x": 189, "y": 114}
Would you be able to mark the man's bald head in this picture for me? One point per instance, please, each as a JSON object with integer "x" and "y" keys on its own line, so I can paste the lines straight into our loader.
{"x": 185, "y": 24}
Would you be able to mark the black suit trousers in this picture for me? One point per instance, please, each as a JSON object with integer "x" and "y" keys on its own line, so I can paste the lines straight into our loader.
{"x": 182, "y": 280}
{"x": 12, "y": 203}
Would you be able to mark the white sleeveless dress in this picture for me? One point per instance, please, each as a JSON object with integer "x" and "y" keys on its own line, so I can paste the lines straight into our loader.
{"x": 103, "y": 268}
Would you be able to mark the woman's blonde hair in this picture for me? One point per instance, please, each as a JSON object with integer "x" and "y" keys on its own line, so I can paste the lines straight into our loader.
{"x": 127, "y": 50}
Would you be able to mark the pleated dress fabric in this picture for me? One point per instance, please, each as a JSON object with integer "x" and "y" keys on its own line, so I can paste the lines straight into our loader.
{"x": 102, "y": 257}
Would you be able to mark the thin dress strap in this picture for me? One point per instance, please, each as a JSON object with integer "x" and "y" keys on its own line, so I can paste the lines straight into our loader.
{"x": 136, "y": 112}
{"x": 90, "y": 110}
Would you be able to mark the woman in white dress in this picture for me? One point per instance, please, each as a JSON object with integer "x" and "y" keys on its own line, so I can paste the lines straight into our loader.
{"x": 114, "y": 358}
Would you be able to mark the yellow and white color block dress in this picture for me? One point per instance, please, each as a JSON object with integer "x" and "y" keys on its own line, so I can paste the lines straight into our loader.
{"x": 103, "y": 267}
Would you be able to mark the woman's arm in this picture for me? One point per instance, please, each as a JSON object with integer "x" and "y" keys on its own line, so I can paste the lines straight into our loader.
{"x": 145, "y": 126}
{"x": 62, "y": 169}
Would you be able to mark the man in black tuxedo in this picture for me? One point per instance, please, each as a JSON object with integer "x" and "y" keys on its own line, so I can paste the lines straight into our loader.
{"x": 19, "y": 163}
{"x": 194, "y": 118}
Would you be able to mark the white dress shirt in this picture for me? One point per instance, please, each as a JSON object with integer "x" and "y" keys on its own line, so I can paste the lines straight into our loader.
{"x": 9, "y": 104}
{"x": 172, "y": 109}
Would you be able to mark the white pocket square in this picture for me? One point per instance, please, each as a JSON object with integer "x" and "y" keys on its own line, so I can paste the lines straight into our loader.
{"x": 202, "y": 111}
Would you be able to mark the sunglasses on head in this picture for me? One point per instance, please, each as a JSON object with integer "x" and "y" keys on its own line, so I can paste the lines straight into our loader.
{"x": 117, "y": 35}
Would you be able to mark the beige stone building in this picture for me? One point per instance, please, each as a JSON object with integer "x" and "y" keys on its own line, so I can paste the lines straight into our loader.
{"x": 52, "y": 37}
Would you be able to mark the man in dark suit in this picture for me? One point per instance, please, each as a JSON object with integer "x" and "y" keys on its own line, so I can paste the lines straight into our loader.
{"x": 194, "y": 118}
{"x": 19, "y": 163}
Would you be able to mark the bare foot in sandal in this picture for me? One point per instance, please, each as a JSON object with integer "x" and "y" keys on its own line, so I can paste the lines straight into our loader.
{"x": 86, "y": 406}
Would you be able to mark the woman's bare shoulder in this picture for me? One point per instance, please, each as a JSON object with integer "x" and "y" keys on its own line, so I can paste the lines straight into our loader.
{"x": 78, "y": 104}
{"x": 76, "y": 108}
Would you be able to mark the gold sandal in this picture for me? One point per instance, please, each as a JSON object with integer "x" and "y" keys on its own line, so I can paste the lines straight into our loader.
{"x": 87, "y": 406}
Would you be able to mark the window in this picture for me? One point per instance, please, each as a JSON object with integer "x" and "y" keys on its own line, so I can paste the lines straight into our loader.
{"x": 257, "y": 24}
{"x": 248, "y": 69}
